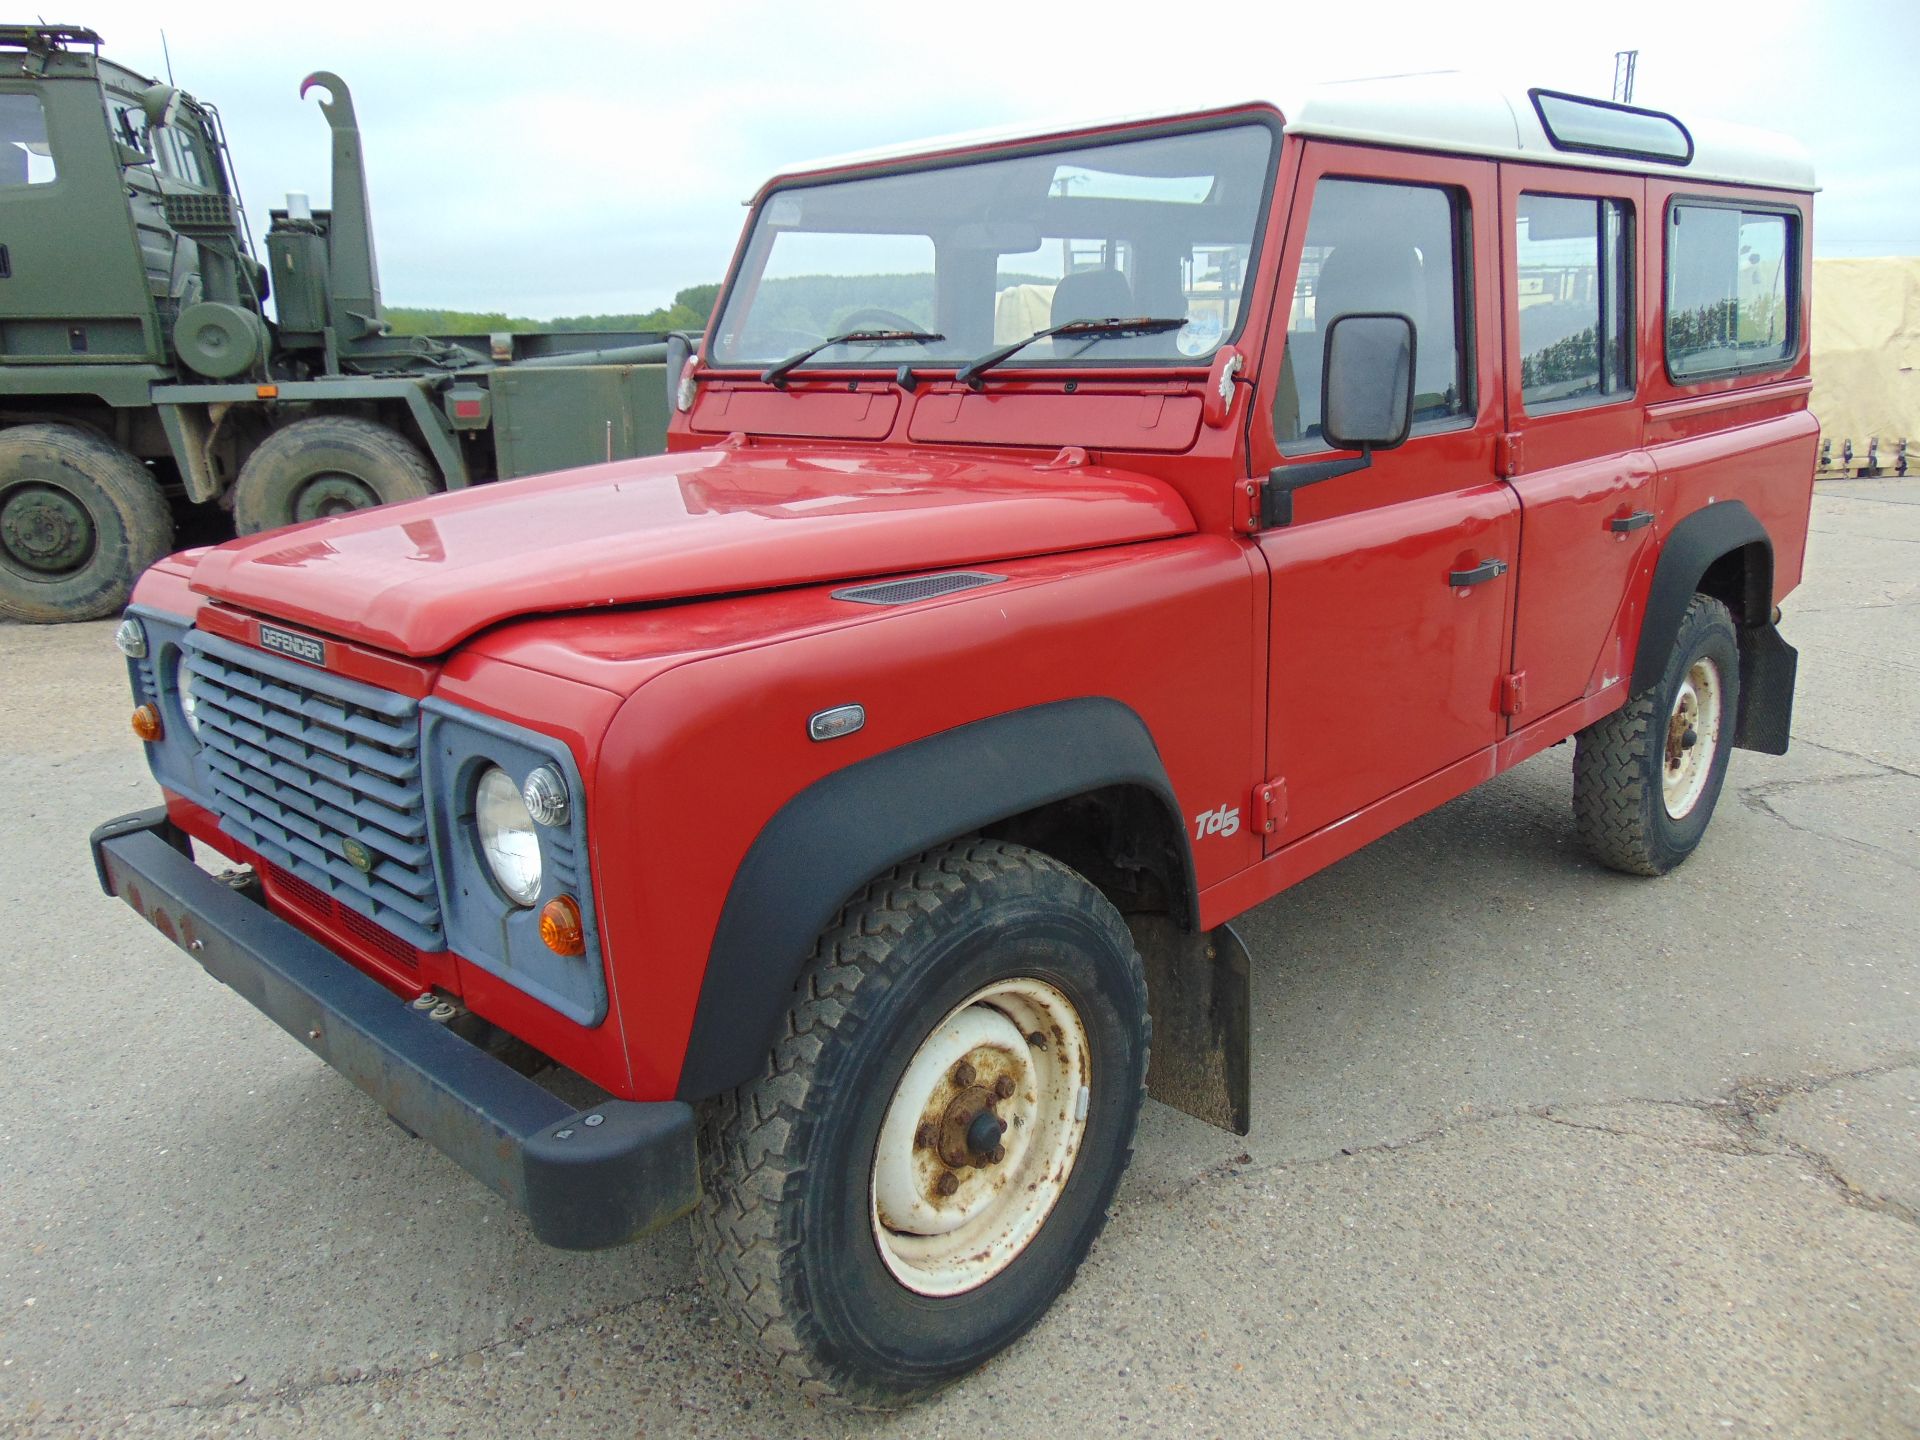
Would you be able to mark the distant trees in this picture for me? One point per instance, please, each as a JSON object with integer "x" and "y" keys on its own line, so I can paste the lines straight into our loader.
{"x": 690, "y": 310}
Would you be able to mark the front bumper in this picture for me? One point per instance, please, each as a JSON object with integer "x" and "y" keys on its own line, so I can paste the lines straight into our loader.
{"x": 586, "y": 1179}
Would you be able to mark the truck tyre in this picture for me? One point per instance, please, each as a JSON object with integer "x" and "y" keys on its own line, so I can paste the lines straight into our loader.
{"x": 939, "y": 1128}
{"x": 80, "y": 518}
{"x": 1645, "y": 779}
{"x": 329, "y": 465}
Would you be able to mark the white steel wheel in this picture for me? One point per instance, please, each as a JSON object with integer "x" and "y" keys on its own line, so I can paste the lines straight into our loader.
{"x": 1692, "y": 738}
{"x": 980, "y": 1137}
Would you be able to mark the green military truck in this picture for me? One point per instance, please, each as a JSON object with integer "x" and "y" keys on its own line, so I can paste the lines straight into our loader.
{"x": 155, "y": 374}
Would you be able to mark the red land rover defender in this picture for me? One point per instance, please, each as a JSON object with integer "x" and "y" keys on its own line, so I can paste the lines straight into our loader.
{"x": 1067, "y": 542}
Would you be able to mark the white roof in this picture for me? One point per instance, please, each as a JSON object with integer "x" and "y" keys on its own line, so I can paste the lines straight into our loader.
{"x": 1461, "y": 114}
{"x": 1446, "y": 111}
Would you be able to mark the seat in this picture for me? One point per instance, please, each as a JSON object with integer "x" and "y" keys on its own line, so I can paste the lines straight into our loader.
{"x": 1092, "y": 295}
{"x": 1364, "y": 275}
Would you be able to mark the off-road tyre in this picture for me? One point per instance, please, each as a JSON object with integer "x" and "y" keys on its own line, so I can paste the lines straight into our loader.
{"x": 1619, "y": 800}
{"x": 327, "y": 465}
{"x": 787, "y": 1223}
{"x": 80, "y": 518}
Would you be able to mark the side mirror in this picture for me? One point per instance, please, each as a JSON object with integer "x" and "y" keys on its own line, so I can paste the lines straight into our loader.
{"x": 1366, "y": 382}
{"x": 1366, "y": 404}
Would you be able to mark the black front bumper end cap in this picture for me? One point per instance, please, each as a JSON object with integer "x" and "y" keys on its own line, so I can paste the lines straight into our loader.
{"x": 586, "y": 1179}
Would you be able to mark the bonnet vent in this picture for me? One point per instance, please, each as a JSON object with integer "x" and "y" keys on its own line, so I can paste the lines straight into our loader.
{"x": 921, "y": 587}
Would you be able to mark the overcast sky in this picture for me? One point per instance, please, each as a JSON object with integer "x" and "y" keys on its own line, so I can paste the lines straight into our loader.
{"x": 596, "y": 161}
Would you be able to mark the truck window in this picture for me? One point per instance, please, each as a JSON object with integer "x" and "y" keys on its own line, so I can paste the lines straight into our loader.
{"x": 178, "y": 150}
{"x": 1377, "y": 247}
{"x": 1730, "y": 289}
{"x": 1574, "y": 262}
{"x": 25, "y": 156}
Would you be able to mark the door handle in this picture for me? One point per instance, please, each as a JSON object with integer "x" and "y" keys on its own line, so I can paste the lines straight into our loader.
{"x": 1479, "y": 574}
{"x": 1638, "y": 520}
{"x": 6, "y": 264}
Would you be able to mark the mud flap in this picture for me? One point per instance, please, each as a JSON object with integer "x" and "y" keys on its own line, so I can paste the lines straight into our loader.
{"x": 1768, "y": 665}
{"x": 1199, "y": 991}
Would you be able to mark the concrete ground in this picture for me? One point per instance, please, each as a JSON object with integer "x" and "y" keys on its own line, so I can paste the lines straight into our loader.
{"x": 1539, "y": 1149}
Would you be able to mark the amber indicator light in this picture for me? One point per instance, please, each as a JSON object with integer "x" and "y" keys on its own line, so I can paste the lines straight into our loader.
{"x": 560, "y": 927}
{"x": 146, "y": 723}
{"x": 267, "y": 392}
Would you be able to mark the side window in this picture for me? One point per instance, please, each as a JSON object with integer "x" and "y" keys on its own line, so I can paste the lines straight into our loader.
{"x": 25, "y": 156}
{"x": 1377, "y": 247}
{"x": 1575, "y": 262}
{"x": 178, "y": 150}
{"x": 1730, "y": 289}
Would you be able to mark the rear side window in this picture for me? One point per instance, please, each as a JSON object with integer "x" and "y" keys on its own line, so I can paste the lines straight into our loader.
{"x": 1574, "y": 256}
{"x": 1730, "y": 289}
{"x": 25, "y": 157}
{"x": 1373, "y": 247}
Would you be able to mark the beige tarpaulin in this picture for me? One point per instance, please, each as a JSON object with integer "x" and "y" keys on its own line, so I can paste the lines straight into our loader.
{"x": 1866, "y": 355}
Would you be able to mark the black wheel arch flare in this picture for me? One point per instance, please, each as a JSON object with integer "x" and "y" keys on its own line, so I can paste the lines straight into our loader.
{"x": 838, "y": 833}
{"x": 1724, "y": 550}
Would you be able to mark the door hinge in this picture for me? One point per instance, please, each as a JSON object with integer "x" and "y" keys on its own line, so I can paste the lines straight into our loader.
{"x": 1507, "y": 458}
{"x": 1513, "y": 692}
{"x": 1270, "y": 805}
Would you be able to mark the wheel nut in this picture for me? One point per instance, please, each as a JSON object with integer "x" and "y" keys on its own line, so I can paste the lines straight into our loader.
{"x": 999, "y": 1154}
{"x": 963, "y": 1074}
{"x": 925, "y": 1137}
{"x": 1003, "y": 1088}
{"x": 947, "y": 1183}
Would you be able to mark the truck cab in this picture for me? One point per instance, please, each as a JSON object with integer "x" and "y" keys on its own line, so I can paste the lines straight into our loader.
{"x": 1065, "y": 543}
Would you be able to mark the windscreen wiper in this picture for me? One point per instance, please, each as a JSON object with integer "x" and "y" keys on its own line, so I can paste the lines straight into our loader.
{"x": 776, "y": 374}
{"x": 970, "y": 373}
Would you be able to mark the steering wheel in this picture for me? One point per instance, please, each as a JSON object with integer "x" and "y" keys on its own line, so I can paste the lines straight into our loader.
{"x": 873, "y": 317}
{"x": 783, "y": 337}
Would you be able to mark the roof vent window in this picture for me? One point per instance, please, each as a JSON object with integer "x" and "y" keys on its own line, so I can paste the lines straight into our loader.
{"x": 1605, "y": 127}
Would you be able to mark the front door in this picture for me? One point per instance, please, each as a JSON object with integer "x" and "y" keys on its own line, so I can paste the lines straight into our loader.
{"x": 1392, "y": 587}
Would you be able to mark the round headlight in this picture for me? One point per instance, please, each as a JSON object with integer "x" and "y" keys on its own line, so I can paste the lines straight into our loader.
{"x": 507, "y": 836}
{"x": 189, "y": 701}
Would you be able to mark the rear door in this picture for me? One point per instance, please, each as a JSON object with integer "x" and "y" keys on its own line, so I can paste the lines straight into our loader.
{"x": 1571, "y": 248}
{"x": 1385, "y": 667}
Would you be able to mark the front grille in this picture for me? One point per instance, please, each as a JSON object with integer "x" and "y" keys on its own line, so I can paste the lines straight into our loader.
{"x": 299, "y": 762}
{"x": 199, "y": 215}
{"x": 291, "y": 888}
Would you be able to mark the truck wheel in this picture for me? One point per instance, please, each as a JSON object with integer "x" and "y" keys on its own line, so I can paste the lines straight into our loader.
{"x": 328, "y": 465}
{"x": 939, "y": 1129}
{"x": 80, "y": 518}
{"x": 1645, "y": 779}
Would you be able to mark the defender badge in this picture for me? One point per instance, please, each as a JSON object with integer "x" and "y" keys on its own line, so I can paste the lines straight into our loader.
{"x": 294, "y": 646}
{"x": 357, "y": 855}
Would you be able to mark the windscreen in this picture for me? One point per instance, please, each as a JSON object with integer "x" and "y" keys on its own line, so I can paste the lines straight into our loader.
{"x": 988, "y": 252}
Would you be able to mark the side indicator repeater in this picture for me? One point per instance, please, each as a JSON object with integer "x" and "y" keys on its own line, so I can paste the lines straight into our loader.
{"x": 146, "y": 723}
{"x": 840, "y": 720}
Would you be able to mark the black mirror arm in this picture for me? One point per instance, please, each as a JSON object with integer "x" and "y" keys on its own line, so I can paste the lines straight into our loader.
{"x": 1276, "y": 496}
